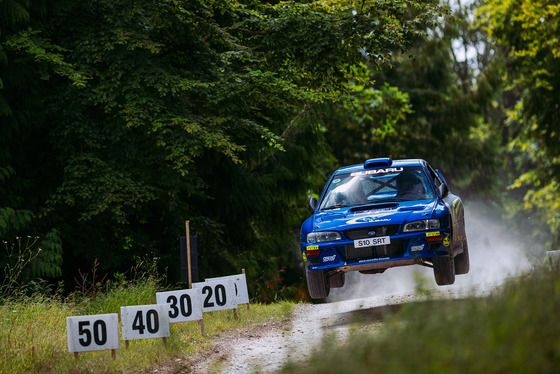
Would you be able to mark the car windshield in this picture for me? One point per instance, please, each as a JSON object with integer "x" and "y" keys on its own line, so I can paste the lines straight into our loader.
{"x": 377, "y": 185}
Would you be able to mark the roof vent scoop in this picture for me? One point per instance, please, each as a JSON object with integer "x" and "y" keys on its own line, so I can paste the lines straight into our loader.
{"x": 377, "y": 162}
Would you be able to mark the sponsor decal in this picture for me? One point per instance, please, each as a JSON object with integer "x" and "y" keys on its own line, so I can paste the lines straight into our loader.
{"x": 446, "y": 242}
{"x": 378, "y": 171}
{"x": 304, "y": 256}
{"x": 367, "y": 220}
{"x": 456, "y": 206}
{"x": 337, "y": 180}
{"x": 312, "y": 248}
{"x": 430, "y": 234}
{"x": 417, "y": 248}
{"x": 329, "y": 258}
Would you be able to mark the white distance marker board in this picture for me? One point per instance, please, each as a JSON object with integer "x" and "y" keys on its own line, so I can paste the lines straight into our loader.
{"x": 217, "y": 295}
{"x": 241, "y": 290}
{"x": 93, "y": 333}
{"x": 145, "y": 321}
{"x": 184, "y": 305}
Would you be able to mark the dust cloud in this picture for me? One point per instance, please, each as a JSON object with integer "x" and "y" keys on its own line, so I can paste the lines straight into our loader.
{"x": 496, "y": 253}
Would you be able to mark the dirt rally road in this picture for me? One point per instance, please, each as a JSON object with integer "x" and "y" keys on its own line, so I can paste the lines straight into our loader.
{"x": 495, "y": 255}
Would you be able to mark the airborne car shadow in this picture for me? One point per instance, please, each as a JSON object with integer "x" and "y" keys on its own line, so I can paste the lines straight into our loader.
{"x": 371, "y": 315}
{"x": 382, "y": 313}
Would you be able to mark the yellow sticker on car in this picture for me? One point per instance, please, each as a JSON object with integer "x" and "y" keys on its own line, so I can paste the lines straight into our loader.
{"x": 312, "y": 248}
{"x": 435, "y": 233}
{"x": 304, "y": 256}
{"x": 446, "y": 242}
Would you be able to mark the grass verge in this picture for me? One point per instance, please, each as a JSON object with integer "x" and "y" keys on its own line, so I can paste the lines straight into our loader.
{"x": 33, "y": 334}
{"x": 514, "y": 330}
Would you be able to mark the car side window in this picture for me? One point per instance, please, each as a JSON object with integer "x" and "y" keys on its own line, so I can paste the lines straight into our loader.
{"x": 437, "y": 180}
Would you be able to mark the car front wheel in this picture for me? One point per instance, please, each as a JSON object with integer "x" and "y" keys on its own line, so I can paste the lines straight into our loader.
{"x": 444, "y": 270}
{"x": 317, "y": 284}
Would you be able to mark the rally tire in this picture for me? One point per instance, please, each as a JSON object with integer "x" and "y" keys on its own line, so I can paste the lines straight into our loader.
{"x": 462, "y": 263}
{"x": 444, "y": 270}
{"x": 337, "y": 280}
{"x": 317, "y": 284}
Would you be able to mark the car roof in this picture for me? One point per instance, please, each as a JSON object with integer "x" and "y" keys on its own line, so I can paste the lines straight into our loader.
{"x": 394, "y": 163}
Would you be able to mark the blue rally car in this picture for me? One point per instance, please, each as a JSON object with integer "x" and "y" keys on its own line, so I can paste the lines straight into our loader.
{"x": 382, "y": 214}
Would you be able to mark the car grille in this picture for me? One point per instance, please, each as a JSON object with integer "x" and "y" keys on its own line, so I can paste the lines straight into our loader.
{"x": 362, "y": 232}
{"x": 394, "y": 249}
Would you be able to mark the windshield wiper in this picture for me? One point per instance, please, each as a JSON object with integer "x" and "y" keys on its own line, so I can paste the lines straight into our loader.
{"x": 336, "y": 207}
{"x": 388, "y": 200}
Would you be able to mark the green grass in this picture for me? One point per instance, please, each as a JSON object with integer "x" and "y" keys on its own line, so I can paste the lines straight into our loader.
{"x": 514, "y": 330}
{"x": 33, "y": 334}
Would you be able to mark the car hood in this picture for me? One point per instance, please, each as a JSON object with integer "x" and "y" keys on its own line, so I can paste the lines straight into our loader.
{"x": 375, "y": 214}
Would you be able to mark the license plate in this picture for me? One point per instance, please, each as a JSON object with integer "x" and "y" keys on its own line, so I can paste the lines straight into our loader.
{"x": 372, "y": 242}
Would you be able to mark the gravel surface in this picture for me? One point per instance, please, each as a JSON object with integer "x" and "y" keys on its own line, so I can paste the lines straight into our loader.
{"x": 495, "y": 254}
{"x": 266, "y": 348}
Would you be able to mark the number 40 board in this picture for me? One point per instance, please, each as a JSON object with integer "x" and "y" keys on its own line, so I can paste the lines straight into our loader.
{"x": 145, "y": 321}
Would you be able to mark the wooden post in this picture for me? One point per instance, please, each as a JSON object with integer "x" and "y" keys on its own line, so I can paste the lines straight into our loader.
{"x": 113, "y": 353}
{"x": 126, "y": 344}
{"x": 189, "y": 253}
{"x": 243, "y": 272}
{"x": 201, "y": 323}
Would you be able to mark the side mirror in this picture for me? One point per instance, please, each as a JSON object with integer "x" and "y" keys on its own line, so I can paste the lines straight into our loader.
{"x": 313, "y": 204}
{"x": 441, "y": 176}
{"x": 443, "y": 190}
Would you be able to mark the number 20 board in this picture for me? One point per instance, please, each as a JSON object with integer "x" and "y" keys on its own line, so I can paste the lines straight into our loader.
{"x": 217, "y": 295}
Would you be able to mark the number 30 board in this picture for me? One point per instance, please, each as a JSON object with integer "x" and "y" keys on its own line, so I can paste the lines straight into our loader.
{"x": 184, "y": 305}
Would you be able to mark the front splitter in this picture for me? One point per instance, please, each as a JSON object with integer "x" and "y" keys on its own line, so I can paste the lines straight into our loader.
{"x": 380, "y": 265}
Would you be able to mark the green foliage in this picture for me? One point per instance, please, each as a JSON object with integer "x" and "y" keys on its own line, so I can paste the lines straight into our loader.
{"x": 17, "y": 256}
{"x": 201, "y": 111}
{"x": 12, "y": 220}
{"x": 449, "y": 98}
{"x": 26, "y": 259}
{"x": 430, "y": 105}
{"x": 368, "y": 119}
{"x": 509, "y": 331}
{"x": 48, "y": 262}
{"x": 528, "y": 34}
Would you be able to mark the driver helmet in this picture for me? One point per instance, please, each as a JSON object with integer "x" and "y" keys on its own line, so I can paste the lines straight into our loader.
{"x": 407, "y": 180}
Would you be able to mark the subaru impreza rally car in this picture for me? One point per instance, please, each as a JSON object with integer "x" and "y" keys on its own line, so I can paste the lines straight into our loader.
{"x": 382, "y": 214}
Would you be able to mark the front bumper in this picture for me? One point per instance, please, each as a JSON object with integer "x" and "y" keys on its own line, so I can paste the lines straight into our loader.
{"x": 404, "y": 249}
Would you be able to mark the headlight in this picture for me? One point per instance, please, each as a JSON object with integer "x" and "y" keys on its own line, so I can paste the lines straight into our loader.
{"x": 323, "y": 236}
{"x": 422, "y": 225}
